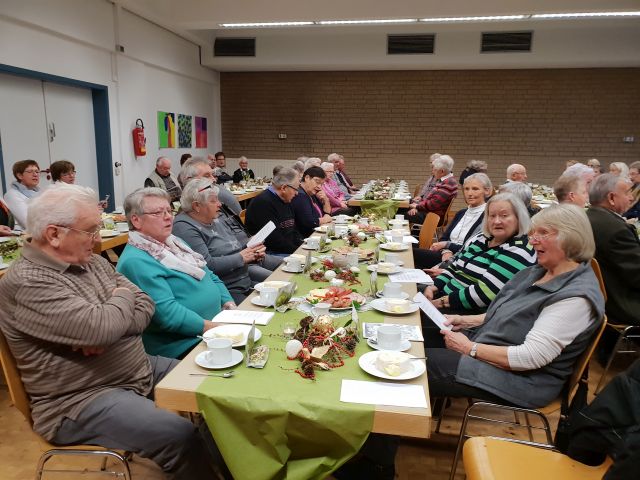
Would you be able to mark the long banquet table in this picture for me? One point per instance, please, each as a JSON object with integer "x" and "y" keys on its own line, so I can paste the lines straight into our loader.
{"x": 179, "y": 390}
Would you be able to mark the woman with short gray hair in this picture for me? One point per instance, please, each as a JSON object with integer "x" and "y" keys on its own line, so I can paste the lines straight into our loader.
{"x": 620, "y": 169}
{"x": 198, "y": 226}
{"x": 186, "y": 293}
{"x": 478, "y": 272}
{"x": 523, "y": 350}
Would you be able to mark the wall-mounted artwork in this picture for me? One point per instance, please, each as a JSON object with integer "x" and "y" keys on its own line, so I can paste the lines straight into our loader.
{"x": 166, "y": 130}
{"x": 201, "y": 132}
{"x": 184, "y": 130}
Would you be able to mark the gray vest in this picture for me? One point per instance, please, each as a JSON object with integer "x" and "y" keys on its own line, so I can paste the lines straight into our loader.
{"x": 511, "y": 316}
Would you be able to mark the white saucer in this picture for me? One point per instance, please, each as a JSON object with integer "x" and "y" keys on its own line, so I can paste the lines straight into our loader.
{"x": 258, "y": 302}
{"x": 3, "y": 266}
{"x": 404, "y": 345}
{"x": 304, "y": 246}
{"x": 368, "y": 363}
{"x": 222, "y": 331}
{"x": 236, "y": 358}
{"x": 399, "y": 263}
{"x": 374, "y": 268}
{"x": 394, "y": 247}
{"x": 109, "y": 233}
{"x": 239, "y": 192}
{"x": 403, "y": 295}
{"x": 274, "y": 284}
{"x": 379, "y": 304}
{"x": 285, "y": 269}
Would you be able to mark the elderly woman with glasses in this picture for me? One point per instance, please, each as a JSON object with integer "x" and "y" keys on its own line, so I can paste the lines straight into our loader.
{"x": 333, "y": 193}
{"x": 186, "y": 293}
{"x": 23, "y": 189}
{"x": 522, "y": 351}
{"x": 198, "y": 225}
{"x": 63, "y": 171}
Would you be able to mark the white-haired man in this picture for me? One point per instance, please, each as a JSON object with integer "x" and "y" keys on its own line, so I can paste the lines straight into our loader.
{"x": 73, "y": 325}
{"x": 442, "y": 193}
{"x": 516, "y": 173}
{"x": 343, "y": 180}
{"x": 162, "y": 178}
{"x": 243, "y": 173}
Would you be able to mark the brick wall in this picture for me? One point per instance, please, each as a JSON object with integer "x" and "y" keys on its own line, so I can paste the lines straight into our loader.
{"x": 388, "y": 122}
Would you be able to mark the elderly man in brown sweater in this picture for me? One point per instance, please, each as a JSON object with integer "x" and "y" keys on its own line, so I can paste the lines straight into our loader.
{"x": 73, "y": 325}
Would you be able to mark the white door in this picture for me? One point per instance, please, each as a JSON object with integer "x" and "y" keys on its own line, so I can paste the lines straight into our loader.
{"x": 69, "y": 113}
{"x": 23, "y": 128}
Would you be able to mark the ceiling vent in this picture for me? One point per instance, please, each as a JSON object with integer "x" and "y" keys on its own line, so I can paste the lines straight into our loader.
{"x": 506, "y": 42}
{"x": 410, "y": 44}
{"x": 234, "y": 47}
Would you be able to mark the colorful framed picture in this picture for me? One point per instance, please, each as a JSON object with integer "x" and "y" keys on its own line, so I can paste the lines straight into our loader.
{"x": 201, "y": 132}
{"x": 166, "y": 130}
{"x": 184, "y": 130}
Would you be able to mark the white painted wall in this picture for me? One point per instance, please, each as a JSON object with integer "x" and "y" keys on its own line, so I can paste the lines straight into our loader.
{"x": 158, "y": 70}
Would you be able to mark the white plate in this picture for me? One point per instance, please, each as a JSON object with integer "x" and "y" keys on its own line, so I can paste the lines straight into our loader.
{"x": 404, "y": 345}
{"x": 223, "y": 330}
{"x": 403, "y": 295}
{"x": 321, "y": 229}
{"x": 303, "y": 259}
{"x": 374, "y": 268}
{"x": 285, "y": 269}
{"x": 109, "y": 233}
{"x": 400, "y": 262}
{"x": 3, "y": 266}
{"x": 272, "y": 284}
{"x": 307, "y": 247}
{"x": 6, "y": 239}
{"x": 394, "y": 247}
{"x": 379, "y": 304}
{"x": 236, "y": 358}
{"x": 257, "y": 301}
{"x": 239, "y": 192}
{"x": 368, "y": 363}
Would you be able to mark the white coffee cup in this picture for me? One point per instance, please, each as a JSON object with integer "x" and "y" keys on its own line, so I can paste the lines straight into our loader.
{"x": 389, "y": 337}
{"x": 313, "y": 242}
{"x": 294, "y": 264}
{"x": 321, "y": 308}
{"x": 397, "y": 238}
{"x": 219, "y": 350}
{"x": 268, "y": 296}
{"x": 122, "y": 226}
{"x": 341, "y": 230}
{"x": 342, "y": 219}
{"x": 364, "y": 221}
{"x": 399, "y": 217}
{"x": 392, "y": 290}
{"x": 392, "y": 258}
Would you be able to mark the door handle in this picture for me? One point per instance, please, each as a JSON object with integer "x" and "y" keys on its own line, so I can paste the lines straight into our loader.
{"x": 52, "y": 131}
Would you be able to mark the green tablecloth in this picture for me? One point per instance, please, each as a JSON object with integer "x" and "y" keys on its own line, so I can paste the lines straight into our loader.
{"x": 274, "y": 424}
{"x": 382, "y": 208}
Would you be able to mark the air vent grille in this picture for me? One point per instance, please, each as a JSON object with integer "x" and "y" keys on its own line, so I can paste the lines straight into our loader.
{"x": 410, "y": 44}
{"x": 234, "y": 47}
{"x": 506, "y": 42}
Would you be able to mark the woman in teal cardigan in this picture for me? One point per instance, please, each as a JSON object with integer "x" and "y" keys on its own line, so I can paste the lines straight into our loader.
{"x": 187, "y": 294}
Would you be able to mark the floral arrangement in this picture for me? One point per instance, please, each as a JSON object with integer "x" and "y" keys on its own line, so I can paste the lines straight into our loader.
{"x": 319, "y": 345}
{"x": 328, "y": 271}
{"x": 381, "y": 189}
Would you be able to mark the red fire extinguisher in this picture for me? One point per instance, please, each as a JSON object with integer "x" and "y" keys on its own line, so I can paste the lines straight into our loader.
{"x": 139, "y": 142}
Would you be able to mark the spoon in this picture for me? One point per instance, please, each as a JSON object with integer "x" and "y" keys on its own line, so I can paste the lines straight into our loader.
{"x": 223, "y": 375}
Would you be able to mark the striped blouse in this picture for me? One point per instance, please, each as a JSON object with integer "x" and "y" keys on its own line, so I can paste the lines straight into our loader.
{"x": 478, "y": 272}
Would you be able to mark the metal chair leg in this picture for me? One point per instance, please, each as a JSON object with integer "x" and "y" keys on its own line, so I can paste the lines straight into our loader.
{"x": 609, "y": 362}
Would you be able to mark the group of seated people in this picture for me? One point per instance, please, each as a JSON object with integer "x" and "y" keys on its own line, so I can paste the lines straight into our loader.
{"x": 517, "y": 289}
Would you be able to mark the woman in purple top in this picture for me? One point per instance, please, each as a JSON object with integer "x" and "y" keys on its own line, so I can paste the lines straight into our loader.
{"x": 333, "y": 192}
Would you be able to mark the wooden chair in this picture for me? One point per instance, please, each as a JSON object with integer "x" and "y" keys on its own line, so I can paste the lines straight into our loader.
{"x": 243, "y": 215}
{"x": 487, "y": 458}
{"x": 428, "y": 230}
{"x": 20, "y": 400}
{"x": 627, "y": 335}
{"x": 577, "y": 377}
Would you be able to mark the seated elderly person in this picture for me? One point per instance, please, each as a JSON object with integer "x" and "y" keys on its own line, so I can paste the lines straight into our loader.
{"x": 524, "y": 348}
{"x": 523, "y": 192}
{"x": 332, "y": 190}
{"x": 6, "y": 219}
{"x": 619, "y": 169}
{"x": 243, "y": 173}
{"x": 73, "y": 326}
{"x": 634, "y": 176}
{"x": 594, "y": 164}
{"x": 225, "y": 256}
{"x": 571, "y": 188}
{"x": 63, "y": 171}
{"x": 23, "y": 189}
{"x": 516, "y": 173}
{"x": 442, "y": 193}
{"x": 473, "y": 166}
{"x": 583, "y": 171}
{"x": 310, "y": 212}
{"x": 200, "y": 168}
{"x": 465, "y": 225}
{"x": 427, "y": 186}
{"x": 274, "y": 205}
{"x": 161, "y": 177}
{"x": 479, "y": 271}
{"x": 187, "y": 294}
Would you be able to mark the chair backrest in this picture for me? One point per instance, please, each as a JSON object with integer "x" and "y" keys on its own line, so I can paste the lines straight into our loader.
{"x": 583, "y": 360}
{"x": 445, "y": 218}
{"x": 428, "y": 230}
{"x": 243, "y": 215}
{"x": 596, "y": 269}
{"x": 17, "y": 392}
{"x": 417, "y": 190}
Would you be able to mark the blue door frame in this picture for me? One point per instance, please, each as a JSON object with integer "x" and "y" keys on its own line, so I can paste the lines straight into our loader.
{"x": 100, "y": 97}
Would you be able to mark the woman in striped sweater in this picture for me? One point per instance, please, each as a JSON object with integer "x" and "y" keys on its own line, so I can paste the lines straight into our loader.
{"x": 479, "y": 271}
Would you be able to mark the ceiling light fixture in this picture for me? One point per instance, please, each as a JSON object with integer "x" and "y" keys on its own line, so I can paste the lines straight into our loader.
{"x": 367, "y": 22}
{"x": 474, "y": 19}
{"x": 266, "y": 24}
{"x": 552, "y": 16}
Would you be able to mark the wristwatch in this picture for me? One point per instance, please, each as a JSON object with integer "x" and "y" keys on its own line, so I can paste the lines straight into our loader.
{"x": 474, "y": 350}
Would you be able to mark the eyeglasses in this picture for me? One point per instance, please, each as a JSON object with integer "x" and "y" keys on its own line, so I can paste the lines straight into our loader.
{"x": 538, "y": 237}
{"x": 160, "y": 213}
{"x": 93, "y": 233}
{"x": 32, "y": 170}
{"x": 205, "y": 188}
{"x": 291, "y": 187}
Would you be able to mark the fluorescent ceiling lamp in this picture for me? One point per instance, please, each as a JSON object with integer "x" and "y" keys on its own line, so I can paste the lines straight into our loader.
{"x": 367, "y": 22}
{"x": 585, "y": 15}
{"x": 474, "y": 19}
{"x": 266, "y": 24}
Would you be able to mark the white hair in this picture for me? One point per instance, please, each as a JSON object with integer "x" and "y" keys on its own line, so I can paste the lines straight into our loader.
{"x": 327, "y": 165}
{"x": 197, "y": 190}
{"x": 622, "y": 167}
{"x": 58, "y": 205}
{"x": 285, "y": 176}
{"x": 160, "y": 159}
{"x": 519, "y": 189}
{"x": 602, "y": 186}
{"x": 134, "y": 202}
{"x": 312, "y": 162}
{"x": 190, "y": 169}
{"x": 512, "y": 168}
{"x": 483, "y": 178}
{"x": 443, "y": 162}
{"x": 519, "y": 209}
{"x": 334, "y": 157}
{"x": 580, "y": 170}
